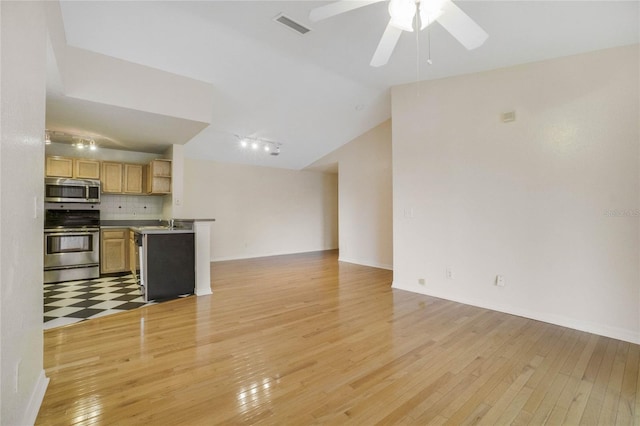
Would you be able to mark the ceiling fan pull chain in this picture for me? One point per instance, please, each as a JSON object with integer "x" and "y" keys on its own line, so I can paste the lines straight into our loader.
{"x": 417, "y": 50}
{"x": 429, "y": 45}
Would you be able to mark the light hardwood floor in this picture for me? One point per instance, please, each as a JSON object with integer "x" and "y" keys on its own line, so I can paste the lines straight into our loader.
{"x": 305, "y": 339}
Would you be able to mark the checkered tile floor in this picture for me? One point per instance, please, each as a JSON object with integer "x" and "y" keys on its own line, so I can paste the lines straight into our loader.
{"x": 74, "y": 301}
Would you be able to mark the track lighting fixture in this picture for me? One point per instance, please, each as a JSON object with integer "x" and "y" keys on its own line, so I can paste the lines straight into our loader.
{"x": 80, "y": 142}
{"x": 84, "y": 142}
{"x": 259, "y": 144}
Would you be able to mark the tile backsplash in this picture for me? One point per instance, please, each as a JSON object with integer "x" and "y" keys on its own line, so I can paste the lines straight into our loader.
{"x": 127, "y": 207}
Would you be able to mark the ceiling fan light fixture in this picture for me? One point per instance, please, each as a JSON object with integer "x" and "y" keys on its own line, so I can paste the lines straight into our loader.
{"x": 430, "y": 11}
{"x": 402, "y": 13}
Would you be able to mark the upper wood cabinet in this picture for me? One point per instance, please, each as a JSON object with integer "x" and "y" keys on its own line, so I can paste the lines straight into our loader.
{"x": 111, "y": 177}
{"x": 86, "y": 169}
{"x": 122, "y": 178}
{"x": 59, "y": 167}
{"x": 80, "y": 168}
{"x": 116, "y": 178}
{"x": 159, "y": 177}
{"x": 133, "y": 178}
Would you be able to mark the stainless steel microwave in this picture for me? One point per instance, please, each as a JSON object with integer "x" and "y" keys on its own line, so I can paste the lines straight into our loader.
{"x": 63, "y": 190}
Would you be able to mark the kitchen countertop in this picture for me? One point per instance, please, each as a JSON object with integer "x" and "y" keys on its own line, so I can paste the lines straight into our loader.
{"x": 145, "y": 222}
{"x": 160, "y": 230}
{"x": 151, "y": 226}
{"x": 130, "y": 223}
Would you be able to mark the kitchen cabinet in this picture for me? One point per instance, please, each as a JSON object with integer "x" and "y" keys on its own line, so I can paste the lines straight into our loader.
{"x": 122, "y": 178}
{"x": 111, "y": 177}
{"x": 115, "y": 178}
{"x": 80, "y": 168}
{"x": 86, "y": 169}
{"x": 59, "y": 167}
{"x": 132, "y": 178}
{"x": 159, "y": 177}
{"x": 114, "y": 252}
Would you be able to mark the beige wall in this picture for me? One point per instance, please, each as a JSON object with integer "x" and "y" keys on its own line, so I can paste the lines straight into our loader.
{"x": 23, "y": 41}
{"x": 549, "y": 201}
{"x": 261, "y": 211}
{"x": 365, "y": 197}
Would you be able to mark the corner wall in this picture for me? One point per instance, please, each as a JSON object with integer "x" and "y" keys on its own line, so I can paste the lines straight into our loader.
{"x": 549, "y": 201}
{"x": 23, "y": 54}
{"x": 364, "y": 197}
{"x": 261, "y": 211}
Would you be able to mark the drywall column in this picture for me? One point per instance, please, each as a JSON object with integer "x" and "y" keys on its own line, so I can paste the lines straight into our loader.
{"x": 22, "y": 84}
{"x": 203, "y": 258}
{"x": 173, "y": 204}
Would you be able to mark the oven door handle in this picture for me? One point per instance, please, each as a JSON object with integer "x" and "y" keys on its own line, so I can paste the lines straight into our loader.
{"x": 68, "y": 234}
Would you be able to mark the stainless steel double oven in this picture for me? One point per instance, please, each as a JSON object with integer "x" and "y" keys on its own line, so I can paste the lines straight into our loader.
{"x": 71, "y": 242}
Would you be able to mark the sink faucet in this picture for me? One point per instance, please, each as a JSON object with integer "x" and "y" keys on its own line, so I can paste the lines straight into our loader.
{"x": 171, "y": 223}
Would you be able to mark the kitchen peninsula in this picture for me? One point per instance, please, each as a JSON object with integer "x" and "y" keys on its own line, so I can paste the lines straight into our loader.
{"x": 167, "y": 262}
{"x": 168, "y": 258}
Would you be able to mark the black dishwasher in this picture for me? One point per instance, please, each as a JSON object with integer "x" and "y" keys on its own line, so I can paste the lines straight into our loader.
{"x": 167, "y": 265}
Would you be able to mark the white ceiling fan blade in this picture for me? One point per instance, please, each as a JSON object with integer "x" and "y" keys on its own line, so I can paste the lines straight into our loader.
{"x": 385, "y": 48}
{"x": 338, "y": 7}
{"x": 463, "y": 28}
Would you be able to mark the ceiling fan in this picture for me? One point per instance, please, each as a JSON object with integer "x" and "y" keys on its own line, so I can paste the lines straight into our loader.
{"x": 404, "y": 15}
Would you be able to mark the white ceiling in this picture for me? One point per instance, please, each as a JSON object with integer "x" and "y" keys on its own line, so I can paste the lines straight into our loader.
{"x": 316, "y": 92}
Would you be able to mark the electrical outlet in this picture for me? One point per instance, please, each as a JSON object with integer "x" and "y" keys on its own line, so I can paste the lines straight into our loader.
{"x": 500, "y": 280}
{"x": 449, "y": 273}
{"x": 422, "y": 281}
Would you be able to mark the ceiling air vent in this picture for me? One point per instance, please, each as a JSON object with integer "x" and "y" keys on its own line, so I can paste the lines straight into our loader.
{"x": 291, "y": 24}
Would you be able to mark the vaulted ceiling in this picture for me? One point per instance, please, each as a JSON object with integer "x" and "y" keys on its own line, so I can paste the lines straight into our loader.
{"x": 245, "y": 74}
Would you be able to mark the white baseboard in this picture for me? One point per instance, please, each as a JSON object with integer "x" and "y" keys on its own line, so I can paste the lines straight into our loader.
{"x": 37, "y": 396}
{"x": 203, "y": 291}
{"x": 576, "y": 324}
{"x": 256, "y": 256}
{"x": 366, "y": 263}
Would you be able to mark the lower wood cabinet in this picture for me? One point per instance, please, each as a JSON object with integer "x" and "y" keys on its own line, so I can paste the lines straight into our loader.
{"x": 114, "y": 251}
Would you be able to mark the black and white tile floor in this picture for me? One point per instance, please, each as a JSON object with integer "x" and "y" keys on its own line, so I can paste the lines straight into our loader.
{"x": 73, "y": 301}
